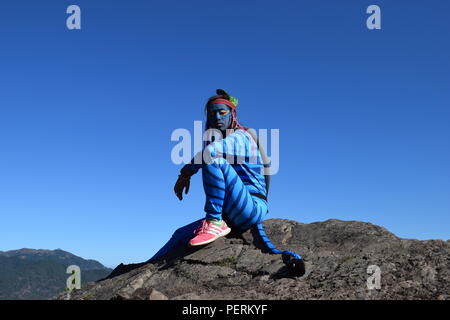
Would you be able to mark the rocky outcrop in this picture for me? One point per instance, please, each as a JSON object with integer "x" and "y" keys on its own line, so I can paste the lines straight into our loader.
{"x": 336, "y": 253}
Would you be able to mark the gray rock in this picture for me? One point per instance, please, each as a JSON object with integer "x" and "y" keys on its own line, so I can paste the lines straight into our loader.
{"x": 336, "y": 254}
{"x": 187, "y": 296}
{"x": 156, "y": 295}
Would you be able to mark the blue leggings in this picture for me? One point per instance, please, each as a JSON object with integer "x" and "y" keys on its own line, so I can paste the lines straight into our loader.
{"x": 227, "y": 197}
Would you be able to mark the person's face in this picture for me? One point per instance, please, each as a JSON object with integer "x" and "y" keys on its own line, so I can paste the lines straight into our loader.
{"x": 219, "y": 116}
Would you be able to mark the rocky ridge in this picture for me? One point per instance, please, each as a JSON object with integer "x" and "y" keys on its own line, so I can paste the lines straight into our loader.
{"x": 336, "y": 253}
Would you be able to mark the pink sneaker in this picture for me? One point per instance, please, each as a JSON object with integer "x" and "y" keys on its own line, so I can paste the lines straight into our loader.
{"x": 209, "y": 231}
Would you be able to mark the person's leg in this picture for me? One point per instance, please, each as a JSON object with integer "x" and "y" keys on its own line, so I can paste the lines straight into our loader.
{"x": 227, "y": 194}
{"x": 179, "y": 238}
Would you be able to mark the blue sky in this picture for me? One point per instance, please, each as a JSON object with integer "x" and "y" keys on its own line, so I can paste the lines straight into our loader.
{"x": 86, "y": 115}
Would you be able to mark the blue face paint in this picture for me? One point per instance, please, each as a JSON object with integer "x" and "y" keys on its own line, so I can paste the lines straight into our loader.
{"x": 219, "y": 116}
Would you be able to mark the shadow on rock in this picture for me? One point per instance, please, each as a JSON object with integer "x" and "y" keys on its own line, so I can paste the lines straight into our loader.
{"x": 122, "y": 269}
{"x": 249, "y": 237}
{"x": 163, "y": 262}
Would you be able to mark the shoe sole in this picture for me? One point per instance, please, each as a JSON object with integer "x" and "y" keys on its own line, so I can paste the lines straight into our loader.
{"x": 211, "y": 240}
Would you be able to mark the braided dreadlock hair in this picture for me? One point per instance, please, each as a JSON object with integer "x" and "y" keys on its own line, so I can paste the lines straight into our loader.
{"x": 222, "y": 94}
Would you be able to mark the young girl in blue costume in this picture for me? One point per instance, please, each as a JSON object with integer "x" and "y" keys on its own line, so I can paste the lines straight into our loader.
{"x": 234, "y": 180}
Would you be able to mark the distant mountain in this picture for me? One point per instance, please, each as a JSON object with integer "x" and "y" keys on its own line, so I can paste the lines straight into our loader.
{"x": 36, "y": 274}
